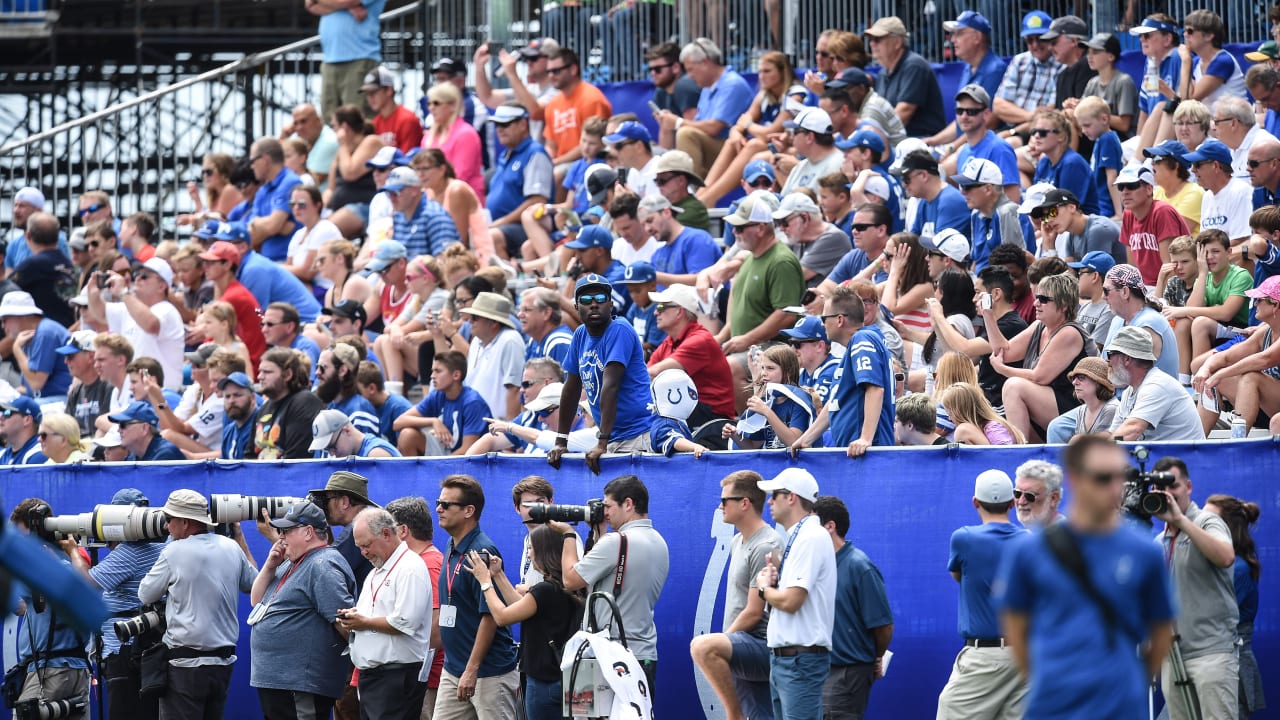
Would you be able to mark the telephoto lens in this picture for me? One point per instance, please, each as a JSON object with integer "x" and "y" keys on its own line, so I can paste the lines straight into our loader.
{"x": 136, "y": 626}
{"x": 229, "y": 508}
{"x": 110, "y": 523}
{"x": 48, "y": 709}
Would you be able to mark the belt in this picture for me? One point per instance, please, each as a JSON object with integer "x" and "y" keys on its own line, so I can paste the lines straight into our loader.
{"x": 793, "y": 650}
{"x": 985, "y": 642}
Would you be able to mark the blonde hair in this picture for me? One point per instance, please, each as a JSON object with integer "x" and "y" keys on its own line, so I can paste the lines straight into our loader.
{"x": 223, "y": 312}
{"x": 1092, "y": 106}
{"x": 445, "y": 93}
{"x": 343, "y": 249}
{"x": 457, "y": 257}
{"x": 1183, "y": 245}
{"x": 60, "y": 423}
{"x": 965, "y": 403}
{"x": 954, "y": 367}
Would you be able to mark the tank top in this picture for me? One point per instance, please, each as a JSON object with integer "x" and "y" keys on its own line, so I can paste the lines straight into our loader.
{"x": 998, "y": 434}
{"x": 1061, "y": 384}
{"x": 347, "y": 192}
{"x": 391, "y": 308}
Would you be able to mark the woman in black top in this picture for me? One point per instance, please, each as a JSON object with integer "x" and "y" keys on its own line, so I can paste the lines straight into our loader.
{"x": 548, "y": 616}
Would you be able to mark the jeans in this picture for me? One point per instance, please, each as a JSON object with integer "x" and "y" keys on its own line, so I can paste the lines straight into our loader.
{"x": 797, "y": 685}
{"x": 1060, "y": 429}
{"x": 543, "y": 700}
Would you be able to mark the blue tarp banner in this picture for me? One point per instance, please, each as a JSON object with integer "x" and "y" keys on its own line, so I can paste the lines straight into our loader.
{"x": 904, "y": 504}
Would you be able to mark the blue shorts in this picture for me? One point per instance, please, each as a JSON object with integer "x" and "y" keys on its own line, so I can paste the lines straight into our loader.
{"x": 359, "y": 209}
{"x": 750, "y": 658}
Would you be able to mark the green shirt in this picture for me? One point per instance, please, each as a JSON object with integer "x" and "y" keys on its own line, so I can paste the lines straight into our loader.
{"x": 693, "y": 214}
{"x": 764, "y": 284}
{"x": 1236, "y": 282}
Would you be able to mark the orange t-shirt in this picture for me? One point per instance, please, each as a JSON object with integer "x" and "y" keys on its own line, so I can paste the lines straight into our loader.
{"x": 566, "y": 113}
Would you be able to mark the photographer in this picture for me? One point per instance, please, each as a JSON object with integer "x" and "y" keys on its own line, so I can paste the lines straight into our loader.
{"x": 1199, "y": 552}
{"x": 53, "y": 654}
{"x": 532, "y": 489}
{"x": 631, "y": 562}
{"x": 203, "y": 574}
{"x": 118, "y": 575}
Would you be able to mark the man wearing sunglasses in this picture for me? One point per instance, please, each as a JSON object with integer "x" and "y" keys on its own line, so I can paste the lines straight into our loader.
{"x": 1148, "y": 225}
{"x": 1037, "y": 494}
{"x": 19, "y": 421}
{"x": 673, "y": 90}
{"x": 690, "y": 347}
{"x": 1074, "y": 234}
{"x": 1264, "y": 171}
{"x": 1076, "y": 651}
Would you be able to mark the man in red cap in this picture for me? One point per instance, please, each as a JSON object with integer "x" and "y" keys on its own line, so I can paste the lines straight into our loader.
{"x": 221, "y": 261}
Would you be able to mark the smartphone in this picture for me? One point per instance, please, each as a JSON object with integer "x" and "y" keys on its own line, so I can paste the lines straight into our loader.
{"x": 101, "y": 278}
{"x": 808, "y": 297}
{"x": 653, "y": 107}
{"x": 772, "y": 148}
{"x": 985, "y": 301}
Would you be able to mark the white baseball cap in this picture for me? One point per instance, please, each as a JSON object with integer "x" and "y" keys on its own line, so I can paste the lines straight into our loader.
{"x": 796, "y": 481}
{"x": 993, "y": 486}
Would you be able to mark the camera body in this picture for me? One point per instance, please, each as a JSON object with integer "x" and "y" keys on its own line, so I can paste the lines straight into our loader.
{"x": 1143, "y": 496}
{"x": 36, "y": 709}
{"x": 229, "y": 508}
{"x": 150, "y": 619}
{"x": 592, "y": 513}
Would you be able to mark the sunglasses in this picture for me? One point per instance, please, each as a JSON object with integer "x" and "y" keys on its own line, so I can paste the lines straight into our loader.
{"x": 1049, "y": 212}
{"x": 971, "y": 112}
{"x": 664, "y": 179}
{"x": 90, "y": 210}
{"x": 862, "y": 227}
{"x": 94, "y": 244}
{"x": 1043, "y": 132}
{"x": 43, "y": 435}
{"x": 526, "y": 384}
{"x": 730, "y": 499}
{"x": 1104, "y": 478}
{"x": 1034, "y": 40}
{"x": 298, "y": 203}
{"x": 762, "y": 183}
{"x": 1044, "y": 299}
{"x": 1020, "y": 494}
{"x": 824, "y": 318}
{"x": 1127, "y": 187}
{"x": 599, "y": 298}
{"x": 556, "y": 70}
{"x": 659, "y": 68}
{"x": 662, "y": 307}
{"x": 269, "y": 324}
{"x": 780, "y": 493}
{"x": 544, "y": 414}
{"x": 797, "y": 344}
{"x": 1253, "y": 164}
{"x": 446, "y": 504}
{"x": 208, "y": 172}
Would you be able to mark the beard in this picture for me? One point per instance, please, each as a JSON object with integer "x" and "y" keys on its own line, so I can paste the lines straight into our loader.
{"x": 329, "y": 388}
{"x": 1119, "y": 377}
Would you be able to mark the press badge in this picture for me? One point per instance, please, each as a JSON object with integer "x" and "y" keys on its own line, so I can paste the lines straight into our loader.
{"x": 257, "y": 613}
{"x": 448, "y": 615}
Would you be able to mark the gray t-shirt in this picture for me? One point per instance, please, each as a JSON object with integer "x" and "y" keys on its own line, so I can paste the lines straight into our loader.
{"x": 204, "y": 575}
{"x": 1095, "y": 318}
{"x": 823, "y": 253}
{"x": 646, "y": 573}
{"x": 746, "y": 558}
{"x": 1165, "y": 405}
{"x": 294, "y": 645}
{"x": 1100, "y": 234}
{"x": 1207, "y": 611}
{"x": 1121, "y": 94}
{"x": 807, "y": 173}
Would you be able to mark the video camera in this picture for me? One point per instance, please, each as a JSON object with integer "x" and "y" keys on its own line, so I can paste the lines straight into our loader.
{"x": 152, "y": 618}
{"x": 106, "y": 523}
{"x": 230, "y": 508}
{"x": 592, "y": 513}
{"x": 1142, "y": 490}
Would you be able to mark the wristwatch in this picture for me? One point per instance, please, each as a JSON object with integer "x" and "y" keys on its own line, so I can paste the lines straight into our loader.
{"x": 760, "y": 591}
{"x": 486, "y": 587}
{"x": 602, "y": 436}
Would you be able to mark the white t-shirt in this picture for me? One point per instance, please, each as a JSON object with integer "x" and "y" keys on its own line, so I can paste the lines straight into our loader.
{"x": 165, "y": 346}
{"x": 807, "y": 173}
{"x": 624, "y": 253}
{"x": 641, "y": 180}
{"x": 304, "y": 241}
{"x": 493, "y": 367}
{"x": 1228, "y": 209}
{"x": 811, "y": 564}
{"x": 204, "y": 415}
{"x": 1165, "y": 405}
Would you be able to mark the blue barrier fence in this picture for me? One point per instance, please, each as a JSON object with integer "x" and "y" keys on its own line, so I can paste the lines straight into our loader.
{"x": 904, "y": 505}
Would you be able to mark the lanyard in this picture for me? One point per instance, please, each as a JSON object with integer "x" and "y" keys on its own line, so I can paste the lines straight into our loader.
{"x": 528, "y": 559}
{"x": 292, "y": 567}
{"x": 791, "y": 539}
{"x": 1172, "y": 538}
{"x": 450, "y": 576}
{"x": 374, "y": 603}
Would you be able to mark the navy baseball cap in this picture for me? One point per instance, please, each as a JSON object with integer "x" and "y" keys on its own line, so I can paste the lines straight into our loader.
{"x": 849, "y": 77}
{"x": 1097, "y": 261}
{"x": 864, "y": 138}
{"x": 138, "y": 411}
{"x": 591, "y": 236}
{"x": 1169, "y": 149}
{"x": 639, "y": 272}
{"x": 592, "y": 280}
{"x": 808, "y": 327}
{"x": 629, "y": 130}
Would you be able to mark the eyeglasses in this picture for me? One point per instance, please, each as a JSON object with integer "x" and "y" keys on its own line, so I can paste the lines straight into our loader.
{"x": 599, "y": 298}
{"x": 1186, "y": 123}
{"x": 1127, "y": 187}
{"x": 659, "y": 68}
{"x": 446, "y": 504}
{"x": 255, "y": 158}
{"x": 1049, "y": 212}
{"x": 1043, "y": 132}
{"x": 862, "y": 227}
{"x": 1222, "y": 120}
{"x": 90, "y": 210}
{"x": 870, "y": 302}
{"x": 1268, "y": 301}
{"x": 1106, "y": 291}
{"x": 971, "y": 112}
{"x": 1033, "y": 40}
{"x": 557, "y": 70}
{"x": 797, "y": 344}
{"x": 1020, "y": 494}
{"x": 824, "y": 317}
{"x": 298, "y": 203}
{"x": 936, "y": 254}
{"x": 730, "y": 499}
{"x": 208, "y": 172}
{"x": 269, "y": 324}
{"x": 1044, "y": 299}
{"x": 461, "y": 300}
{"x": 424, "y": 168}
{"x": 1084, "y": 271}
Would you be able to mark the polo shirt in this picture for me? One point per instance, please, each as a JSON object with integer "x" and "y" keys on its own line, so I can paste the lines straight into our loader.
{"x": 700, "y": 355}
{"x": 809, "y": 562}
{"x": 494, "y": 367}
{"x": 523, "y": 171}
{"x": 975, "y": 555}
{"x": 913, "y": 80}
{"x": 400, "y": 592}
{"x": 989, "y": 75}
{"x": 1208, "y": 612}
{"x": 118, "y": 574}
{"x": 41, "y": 357}
{"x": 458, "y": 589}
{"x": 273, "y": 196}
{"x": 161, "y": 449}
{"x": 725, "y": 100}
{"x": 686, "y": 95}
{"x": 428, "y": 232}
{"x": 19, "y": 250}
{"x": 203, "y": 575}
{"x": 343, "y": 38}
{"x": 590, "y": 354}
{"x": 861, "y": 605}
{"x": 854, "y": 262}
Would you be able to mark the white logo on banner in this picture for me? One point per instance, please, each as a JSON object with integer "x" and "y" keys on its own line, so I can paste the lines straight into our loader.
{"x": 722, "y": 533}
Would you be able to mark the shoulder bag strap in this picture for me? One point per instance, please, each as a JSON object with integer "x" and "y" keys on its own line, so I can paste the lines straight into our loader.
{"x": 622, "y": 565}
{"x": 1067, "y": 553}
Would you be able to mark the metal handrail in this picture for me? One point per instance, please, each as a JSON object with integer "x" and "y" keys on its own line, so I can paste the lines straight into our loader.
{"x": 249, "y": 61}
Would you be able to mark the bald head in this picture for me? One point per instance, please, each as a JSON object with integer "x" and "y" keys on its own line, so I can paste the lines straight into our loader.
{"x": 1264, "y": 164}
{"x": 307, "y": 123}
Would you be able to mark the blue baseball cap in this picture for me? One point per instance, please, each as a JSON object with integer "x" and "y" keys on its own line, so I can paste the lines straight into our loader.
{"x": 1209, "y": 150}
{"x": 1036, "y": 22}
{"x": 592, "y": 280}
{"x": 757, "y": 169}
{"x": 138, "y": 411}
{"x": 629, "y": 130}
{"x": 24, "y": 406}
{"x": 864, "y": 138}
{"x": 808, "y": 327}
{"x": 236, "y": 378}
{"x": 591, "y": 236}
{"x": 639, "y": 272}
{"x": 1097, "y": 261}
{"x": 388, "y": 251}
{"x": 1170, "y": 149}
{"x": 207, "y": 230}
{"x": 130, "y": 496}
{"x": 232, "y": 232}
{"x": 969, "y": 19}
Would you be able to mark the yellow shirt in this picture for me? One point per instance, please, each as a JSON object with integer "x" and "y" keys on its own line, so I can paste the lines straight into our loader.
{"x": 1186, "y": 202}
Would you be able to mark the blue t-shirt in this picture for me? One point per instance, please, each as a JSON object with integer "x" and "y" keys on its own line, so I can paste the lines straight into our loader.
{"x": 665, "y": 431}
{"x": 587, "y": 358}
{"x": 854, "y": 262}
{"x": 361, "y": 413}
{"x": 976, "y": 551}
{"x": 270, "y": 282}
{"x": 394, "y": 407}
{"x": 41, "y": 357}
{"x": 161, "y": 449}
{"x": 1071, "y": 173}
{"x": 1246, "y": 590}
{"x": 375, "y": 442}
{"x": 865, "y": 362}
{"x": 1080, "y": 668}
{"x": 793, "y": 409}
{"x": 575, "y": 182}
{"x": 725, "y": 101}
{"x": 994, "y": 148}
{"x": 822, "y": 378}
{"x": 343, "y": 39}
{"x": 459, "y": 589}
{"x": 990, "y": 75}
{"x": 861, "y": 605}
{"x": 555, "y": 345}
{"x": 463, "y": 415}
{"x": 237, "y": 439}
{"x": 947, "y": 209}
{"x": 1106, "y": 154}
{"x": 19, "y": 250}
{"x": 615, "y": 274}
{"x": 308, "y": 346}
{"x": 272, "y": 197}
{"x": 647, "y": 318}
{"x": 690, "y": 252}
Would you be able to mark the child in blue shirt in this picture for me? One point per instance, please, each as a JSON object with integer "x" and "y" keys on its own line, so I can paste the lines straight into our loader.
{"x": 641, "y": 278}
{"x": 780, "y": 411}
{"x": 1094, "y": 118}
{"x": 451, "y": 417}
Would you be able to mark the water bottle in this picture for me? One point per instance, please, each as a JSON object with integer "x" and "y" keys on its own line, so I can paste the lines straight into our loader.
{"x": 1151, "y": 78}
{"x": 1239, "y": 429}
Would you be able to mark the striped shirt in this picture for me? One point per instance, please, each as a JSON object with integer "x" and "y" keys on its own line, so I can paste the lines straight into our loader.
{"x": 430, "y": 230}
{"x": 1029, "y": 83}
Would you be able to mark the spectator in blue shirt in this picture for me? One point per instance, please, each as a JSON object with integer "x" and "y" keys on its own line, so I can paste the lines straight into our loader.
{"x": 271, "y": 224}
{"x": 240, "y": 407}
{"x": 26, "y": 202}
{"x": 973, "y": 117}
{"x": 594, "y": 250}
{"x": 872, "y": 225}
{"x": 19, "y": 423}
{"x": 971, "y": 42}
{"x": 994, "y": 219}
{"x": 941, "y": 205}
{"x": 1094, "y": 118}
{"x": 421, "y": 224}
{"x": 389, "y": 406}
{"x": 1059, "y": 165}
{"x": 725, "y": 97}
{"x": 282, "y": 327}
{"x": 268, "y": 281}
{"x": 1159, "y": 36}
{"x": 684, "y": 252}
{"x": 524, "y": 178}
{"x": 450, "y": 418}
{"x": 640, "y": 280}
{"x": 140, "y": 433}
{"x": 35, "y": 342}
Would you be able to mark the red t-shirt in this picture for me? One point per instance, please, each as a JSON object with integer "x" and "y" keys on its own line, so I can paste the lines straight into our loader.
{"x": 401, "y": 128}
{"x": 145, "y": 253}
{"x": 248, "y": 321}
{"x": 1144, "y": 237}
{"x": 434, "y": 560}
{"x": 1026, "y": 307}
{"x": 700, "y": 355}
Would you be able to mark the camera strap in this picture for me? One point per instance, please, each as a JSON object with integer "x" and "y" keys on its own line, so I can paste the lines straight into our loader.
{"x": 1067, "y": 552}
{"x": 622, "y": 565}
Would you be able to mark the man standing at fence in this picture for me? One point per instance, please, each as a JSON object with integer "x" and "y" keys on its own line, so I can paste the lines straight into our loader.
{"x": 736, "y": 661}
{"x": 1077, "y": 598}
{"x": 984, "y": 681}
{"x": 351, "y": 42}
{"x": 800, "y": 594}
{"x": 480, "y": 678}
